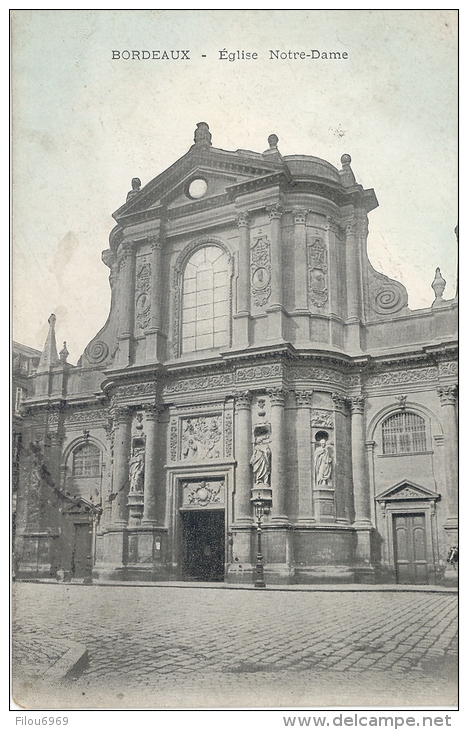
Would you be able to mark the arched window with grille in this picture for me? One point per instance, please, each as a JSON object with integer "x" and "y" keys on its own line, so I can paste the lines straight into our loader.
{"x": 403, "y": 433}
{"x": 205, "y": 300}
{"x": 86, "y": 461}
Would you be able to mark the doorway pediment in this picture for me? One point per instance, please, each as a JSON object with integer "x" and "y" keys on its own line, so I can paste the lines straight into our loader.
{"x": 407, "y": 490}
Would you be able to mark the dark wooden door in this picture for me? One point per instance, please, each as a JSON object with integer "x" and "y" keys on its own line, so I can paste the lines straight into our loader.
{"x": 82, "y": 546}
{"x": 203, "y": 537}
{"x": 410, "y": 548}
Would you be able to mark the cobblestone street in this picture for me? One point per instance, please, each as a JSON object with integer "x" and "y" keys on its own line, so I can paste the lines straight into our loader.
{"x": 159, "y": 646}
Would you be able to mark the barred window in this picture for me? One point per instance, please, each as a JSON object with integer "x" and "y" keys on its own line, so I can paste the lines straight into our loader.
{"x": 403, "y": 433}
{"x": 86, "y": 461}
{"x": 205, "y": 300}
{"x": 20, "y": 394}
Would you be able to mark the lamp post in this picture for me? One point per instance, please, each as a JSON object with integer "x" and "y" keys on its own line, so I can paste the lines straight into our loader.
{"x": 261, "y": 500}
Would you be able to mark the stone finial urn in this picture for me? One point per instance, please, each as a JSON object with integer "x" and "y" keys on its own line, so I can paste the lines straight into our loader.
{"x": 438, "y": 286}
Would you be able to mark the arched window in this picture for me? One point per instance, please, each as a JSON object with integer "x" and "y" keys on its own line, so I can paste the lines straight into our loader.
{"x": 403, "y": 433}
{"x": 205, "y": 300}
{"x": 86, "y": 461}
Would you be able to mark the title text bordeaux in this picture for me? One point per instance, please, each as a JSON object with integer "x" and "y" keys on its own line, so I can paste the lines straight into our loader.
{"x": 225, "y": 55}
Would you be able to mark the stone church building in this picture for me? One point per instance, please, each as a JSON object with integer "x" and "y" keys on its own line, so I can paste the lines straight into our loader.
{"x": 249, "y": 343}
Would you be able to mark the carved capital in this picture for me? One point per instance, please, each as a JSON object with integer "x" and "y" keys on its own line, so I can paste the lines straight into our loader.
{"x": 299, "y": 216}
{"x": 277, "y": 396}
{"x": 243, "y": 399}
{"x": 153, "y": 411}
{"x": 356, "y": 404}
{"x": 275, "y": 211}
{"x": 363, "y": 228}
{"x": 332, "y": 225}
{"x": 108, "y": 427}
{"x": 242, "y": 220}
{"x": 113, "y": 276}
{"x": 55, "y": 438}
{"x": 155, "y": 242}
{"x": 448, "y": 395}
{"x": 338, "y": 401}
{"x": 121, "y": 414}
{"x": 350, "y": 228}
{"x": 128, "y": 249}
{"x": 303, "y": 398}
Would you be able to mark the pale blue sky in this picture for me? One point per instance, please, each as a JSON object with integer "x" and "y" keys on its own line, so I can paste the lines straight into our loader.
{"x": 85, "y": 124}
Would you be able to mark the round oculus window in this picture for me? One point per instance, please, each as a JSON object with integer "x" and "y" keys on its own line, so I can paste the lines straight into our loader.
{"x": 197, "y": 188}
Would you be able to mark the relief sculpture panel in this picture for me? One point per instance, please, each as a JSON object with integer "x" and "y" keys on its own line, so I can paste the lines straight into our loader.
{"x": 203, "y": 494}
{"x": 260, "y": 266}
{"x": 142, "y": 294}
{"x": 317, "y": 261}
{"x": 202, "y": 438}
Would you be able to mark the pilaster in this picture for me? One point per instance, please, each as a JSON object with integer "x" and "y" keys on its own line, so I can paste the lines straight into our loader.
{"x": 275, "y": 309}
{"x": 448, "y": 402}
{"x": 353, "y": 287}
{"x": 127, "y": 289}
{"x": 300, "y": 260}
{"x": 243, "y": 449}
{"x": 305, "y": 513}
{"x": 242, "y": 317}
{"x": 154, "y": 334}
{"x": 122, "y": 435}
{"x": 278, "y": 462}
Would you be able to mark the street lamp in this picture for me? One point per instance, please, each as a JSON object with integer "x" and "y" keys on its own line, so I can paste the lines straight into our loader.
{"x": 261, "y": 500}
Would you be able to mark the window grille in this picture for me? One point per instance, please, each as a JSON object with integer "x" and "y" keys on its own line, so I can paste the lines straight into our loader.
{"x": 86, "y": 461}
{"x": 403, "y": 433}
{"x": 19, "y": 397}
{"x": 205, "y": 300}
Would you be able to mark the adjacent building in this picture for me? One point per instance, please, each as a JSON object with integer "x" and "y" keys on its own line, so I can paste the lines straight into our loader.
{"x": 250, "y": 343}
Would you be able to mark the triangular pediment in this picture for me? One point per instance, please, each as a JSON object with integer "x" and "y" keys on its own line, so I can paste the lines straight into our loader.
{"x": 406, "y": 490}
{"x": 77, "y": 505}
{"x": 220, "y": 169}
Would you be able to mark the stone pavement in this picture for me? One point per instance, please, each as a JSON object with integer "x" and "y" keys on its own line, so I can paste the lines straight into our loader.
{"x": 169, "y": 646}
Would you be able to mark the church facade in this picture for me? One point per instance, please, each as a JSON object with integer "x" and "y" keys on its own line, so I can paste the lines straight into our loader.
{"x": 250, "y": 343}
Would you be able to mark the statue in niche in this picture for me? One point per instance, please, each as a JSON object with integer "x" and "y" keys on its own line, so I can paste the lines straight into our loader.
{"x": 323, "y": 464}
{"x": 261, "y": 461}
{"x": 136, "y": 470}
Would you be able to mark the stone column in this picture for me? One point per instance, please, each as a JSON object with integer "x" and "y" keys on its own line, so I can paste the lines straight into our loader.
{"x": 304, "y": 458}
{"x": 343, "y": 481}
{"x": 53, "y": 515}
{"x": 155, "y": 283}
{"x": 153, "y": 333}
{"x": 243, "y": 290}
{"x": 242, "y": 317}
{"x": 353, "y": 286}
{"x": 362, "y": 505}
{"x": 300, "y": 260}
{"x": 243, "y": 453}
{"x": 278, "y": 465}
{"x": 120, "y": 486}
{"x": 336, "y": 267}
{"x": 127, "y": 290}
{"x": 150, "y": 478}
{"x": 352, "y": 271}
{"x": 448, "y": 402}
{"x": 275, "y": 309}
{"x": 275, "y": 213}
